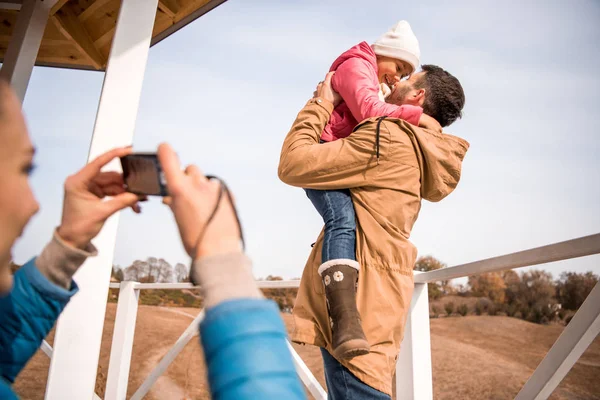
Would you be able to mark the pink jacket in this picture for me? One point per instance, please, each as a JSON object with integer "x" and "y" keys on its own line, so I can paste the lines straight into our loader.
{"x": 356, "y": 81}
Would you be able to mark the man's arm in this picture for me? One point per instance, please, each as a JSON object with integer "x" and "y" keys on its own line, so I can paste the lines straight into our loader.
{"x": 344, "y": 163}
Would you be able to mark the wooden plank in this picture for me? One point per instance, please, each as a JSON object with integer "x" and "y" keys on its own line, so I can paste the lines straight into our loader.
{"x": 169, "y": 7}
{"x": 91, "y": 10}
{"x": 45, "y": 42}
{"x": 8, "y": 20}
{"x": 57, "y": 6}
{"x": 103, "y": 22}
{"x": 189, "y": 8}
{"x": 62, "y": 55}
{"x": 105, "y": 38}
{"x": 161, "y": 22}
{"x": 66, "y": 21}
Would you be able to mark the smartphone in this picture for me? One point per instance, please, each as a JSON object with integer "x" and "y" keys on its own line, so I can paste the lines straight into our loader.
{"x": 143, "y": 174}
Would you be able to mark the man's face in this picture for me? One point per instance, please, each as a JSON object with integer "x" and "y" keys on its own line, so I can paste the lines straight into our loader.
{"x": 404, "y": 92}
{"x": 17, "y": 203}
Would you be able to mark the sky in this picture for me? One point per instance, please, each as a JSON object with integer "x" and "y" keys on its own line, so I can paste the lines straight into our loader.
{"x": 225, "y": 90}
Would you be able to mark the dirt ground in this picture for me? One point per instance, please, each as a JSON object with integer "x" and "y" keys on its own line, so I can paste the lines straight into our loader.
{"x": 473, "y": 358}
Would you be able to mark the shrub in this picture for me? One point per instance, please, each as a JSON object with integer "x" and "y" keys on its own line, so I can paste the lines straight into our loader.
{"x": 562, "y": 314}
{"x": 493, "y": 309}
{"x": 511, "y": 310}
{"x": 478, "y": 307}
{"x": 435, "y": 311}
{"x": 463, "y": 309}
{"x": 573, "y": 288}
{"x": 536, "y": 315}
{"x": 449, "y": 307}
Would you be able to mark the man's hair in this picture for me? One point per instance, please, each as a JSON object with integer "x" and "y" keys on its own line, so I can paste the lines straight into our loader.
{"x": 444, "y": 96}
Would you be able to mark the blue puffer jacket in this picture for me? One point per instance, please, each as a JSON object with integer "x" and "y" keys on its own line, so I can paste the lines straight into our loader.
{"x": 27, "y": 314}
{"x": 244, "y": 340}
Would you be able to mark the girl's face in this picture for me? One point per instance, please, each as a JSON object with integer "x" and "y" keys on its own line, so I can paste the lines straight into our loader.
{"x": 17, "y": 202}
{"x": 391, "y": 70}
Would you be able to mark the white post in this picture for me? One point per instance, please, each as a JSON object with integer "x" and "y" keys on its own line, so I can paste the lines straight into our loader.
{"x": 24, "y": 44}
{"x": 577, "y": 336}
{"x": 414, "y": 379}
{"x": 79, "y": 331}
{"x": 122, "y": 342}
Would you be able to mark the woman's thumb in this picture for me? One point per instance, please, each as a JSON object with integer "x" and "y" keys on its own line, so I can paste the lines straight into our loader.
{"x": 120, "y": 202}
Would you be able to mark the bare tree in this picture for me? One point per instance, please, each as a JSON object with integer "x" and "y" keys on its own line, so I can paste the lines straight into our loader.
{"x": 181, "y": 273}
{"x": 164, "y": 272}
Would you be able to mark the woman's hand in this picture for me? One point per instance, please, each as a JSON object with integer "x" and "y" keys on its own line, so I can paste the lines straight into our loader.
{"x": 192, "y": 199}
{"x": 84, "y": 209}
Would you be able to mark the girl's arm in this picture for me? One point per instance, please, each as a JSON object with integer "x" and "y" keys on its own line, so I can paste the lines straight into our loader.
{"x": 354, "y": 82}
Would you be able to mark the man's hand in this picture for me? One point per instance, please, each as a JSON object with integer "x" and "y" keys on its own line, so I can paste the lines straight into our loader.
{"x": 192, "y": 199}
{"x": 84, "y": 210}
{"x": 325, "y": 91}
{"x": 428, "y": 122}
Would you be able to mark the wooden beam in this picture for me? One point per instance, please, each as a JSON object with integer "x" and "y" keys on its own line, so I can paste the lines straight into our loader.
{"x": 169, "y": 7}
{"x": 91, "y": 10}
{"x": 67, "y": 23}
{"x": 190, "y": 8}
{"x": 105, "y": 39}
{"x": 45, "y": 41}
{"x": 57, "y": 6}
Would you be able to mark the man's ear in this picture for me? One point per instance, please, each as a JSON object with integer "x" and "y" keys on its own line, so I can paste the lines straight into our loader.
{"x": 418, "y": 96}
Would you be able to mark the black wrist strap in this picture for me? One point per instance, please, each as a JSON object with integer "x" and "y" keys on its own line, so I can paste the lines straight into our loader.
{"x": 224, "y": 190}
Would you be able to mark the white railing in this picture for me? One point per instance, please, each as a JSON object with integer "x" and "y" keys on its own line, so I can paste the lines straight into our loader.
{"x": 122, "y": 345}
{"x": 413, "y": 369}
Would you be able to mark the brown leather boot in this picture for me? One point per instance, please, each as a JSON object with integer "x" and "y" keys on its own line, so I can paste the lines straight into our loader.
{"x": 340, "y": 282}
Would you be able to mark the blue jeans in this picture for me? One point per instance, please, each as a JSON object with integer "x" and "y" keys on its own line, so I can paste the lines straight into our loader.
{"x": 342, "y": 385}
{"x": 337, "y": 211}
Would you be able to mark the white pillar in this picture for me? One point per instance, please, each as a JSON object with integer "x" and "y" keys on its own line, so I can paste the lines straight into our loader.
{"x": 24, "y": 44}
{"x": 414, "y": 379}
{"x": 122, "y": 341}
{"x": 577, "y": 336}
{"x": 79, "y": 330}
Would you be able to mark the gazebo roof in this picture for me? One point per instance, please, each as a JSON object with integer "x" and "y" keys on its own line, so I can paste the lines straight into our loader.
{"x": 80, "y": 32}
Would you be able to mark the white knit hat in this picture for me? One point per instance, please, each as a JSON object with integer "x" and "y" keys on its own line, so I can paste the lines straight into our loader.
{"x": 400, "y": 43}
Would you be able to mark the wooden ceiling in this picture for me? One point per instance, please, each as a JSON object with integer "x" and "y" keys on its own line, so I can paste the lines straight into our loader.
{"x": 80, "y": 32}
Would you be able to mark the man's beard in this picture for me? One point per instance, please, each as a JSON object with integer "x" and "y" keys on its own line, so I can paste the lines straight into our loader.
{"x": 399, "y": 94}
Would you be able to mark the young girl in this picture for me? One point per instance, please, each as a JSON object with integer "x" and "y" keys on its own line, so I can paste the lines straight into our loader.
{"x": 363, "y": 77}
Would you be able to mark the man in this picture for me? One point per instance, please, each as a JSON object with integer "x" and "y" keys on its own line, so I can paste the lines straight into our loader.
{"x": 389, "y": 165}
